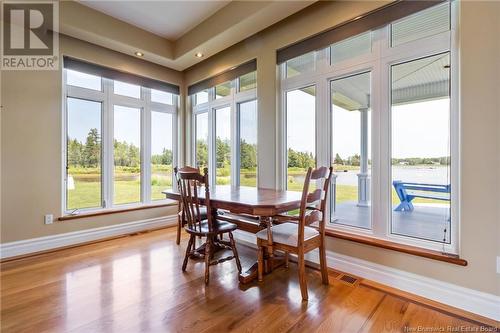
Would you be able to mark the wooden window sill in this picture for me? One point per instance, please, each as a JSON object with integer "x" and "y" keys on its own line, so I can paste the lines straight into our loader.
{"x": 409, "y": 249}
{"x": 116, "y": 211}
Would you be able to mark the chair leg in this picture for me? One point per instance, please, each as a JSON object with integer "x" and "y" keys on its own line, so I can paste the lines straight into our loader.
{"x": 188, "y": 252}
{"x": 286, "y": 259}
{"x": 260, "y": 261}
{"x": 322, "y": 263}
{"x": 235, "y": 251}
{"x": 302, "y": 276}
{"x": 179, "y": 228}
{"x": 207, "y": 261}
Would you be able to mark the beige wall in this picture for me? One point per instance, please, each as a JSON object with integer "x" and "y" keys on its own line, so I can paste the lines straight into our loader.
{"x": 31, "y": 136}
{"x": 480, "y": 122}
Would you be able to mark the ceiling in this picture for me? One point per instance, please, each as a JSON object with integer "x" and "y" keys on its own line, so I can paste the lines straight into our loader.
{"x": 168, "y": 19}
{"x": 170, "y": 33}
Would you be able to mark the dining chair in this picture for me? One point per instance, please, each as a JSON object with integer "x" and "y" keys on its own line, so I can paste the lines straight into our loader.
{"x": 181, "y": 220}
{"x": 296, "y": 235}
{"x": 191, "y": 185}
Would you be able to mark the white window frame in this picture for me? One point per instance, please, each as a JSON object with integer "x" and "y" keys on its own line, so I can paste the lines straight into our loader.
{"x": 233, "y": 101}
{"x": 379, "y": 63}
{"x": 108, "y": 99}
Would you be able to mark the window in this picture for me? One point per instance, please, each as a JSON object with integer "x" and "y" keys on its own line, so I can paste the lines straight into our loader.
{"x": 162, "y": 97}
{"x": 162, "y": 153}
{"x": 350, "y": 98}
{"x": 120, "y": 142}
{"x": 300, "y": 135}
{"x": 225, "y": 131}
{"x": 300, "y": 65}
{"x": 426, "y": 23}
{"x": 84, "y": 154}
{"x": 127, "y": 155}
{"x": 201, "y": 97}
{"x": 201, "y": 149}
{"x": 248, "y": 81}
{"x": 351, "y": 48}
{"x": 420, "y": 133}
{"x": 248, "y": 143}
{"x": 82, "y": 80}
{"x": 223, "y": 145}
{"x": 223, "y": 90}
{"x": 127, "y": 89}
{"x": 390, "y": 131}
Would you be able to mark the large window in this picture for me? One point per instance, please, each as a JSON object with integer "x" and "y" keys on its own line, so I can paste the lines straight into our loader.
{"x": 420, "y": 142}
{"x": 223, "y": 145}
{"x": 84, "y": 154}
{"x": 300, "y": 135}
{"x": 127, "y": 155}
{"x": 225, "y": 131}
{"x": 350, "y": 113}
{"x": 380, "y": 107}
{"x": 120, "y": 142}
{"x": 162, "y": 157}
{"x": 201, "y": 140}
{"x": 248, "y": 143}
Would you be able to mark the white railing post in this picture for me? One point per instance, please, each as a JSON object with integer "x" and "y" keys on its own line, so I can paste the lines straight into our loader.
{"x": 363, "y": 175}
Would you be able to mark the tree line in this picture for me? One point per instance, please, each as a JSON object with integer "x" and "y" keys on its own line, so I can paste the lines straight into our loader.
{"x": 248, "y": 153}
{"x": 88, "y": 154}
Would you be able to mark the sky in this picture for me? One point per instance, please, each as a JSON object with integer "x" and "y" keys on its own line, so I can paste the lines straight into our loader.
{"x": 84, "y": 115}
{"x": 419, "y": 129}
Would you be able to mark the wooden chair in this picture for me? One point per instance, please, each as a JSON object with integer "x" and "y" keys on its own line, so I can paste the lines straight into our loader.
{"x": 181, "y": 220}
{"x": 296, "y": 235}
{"x": 190, "y": 185}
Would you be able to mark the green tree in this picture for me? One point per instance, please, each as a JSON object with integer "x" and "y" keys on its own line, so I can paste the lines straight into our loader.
{"x": 164, "y": 158}
{"x": 248, "y": 155}
{"x": 354, "y": 160}
{"x": 92, "y": 150}
{"x": 75, "y": 153}
{"x": 223, "y": 152}
{"x": 299, "y": 159}
{"x": 338, "y": 160}
{"x": 201, "y": 154}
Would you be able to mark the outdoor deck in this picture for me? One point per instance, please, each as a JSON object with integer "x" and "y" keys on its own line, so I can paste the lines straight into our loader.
{"x": 425, "y": 221}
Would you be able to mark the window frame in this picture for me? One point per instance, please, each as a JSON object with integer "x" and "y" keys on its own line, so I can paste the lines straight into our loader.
{"x": 379, "y": 63}
{"x": 108, "y": 100}
{"x": 233, "y": 100}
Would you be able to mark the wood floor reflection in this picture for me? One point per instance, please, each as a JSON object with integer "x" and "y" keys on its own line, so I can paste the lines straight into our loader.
{"x": 135, "y": 284}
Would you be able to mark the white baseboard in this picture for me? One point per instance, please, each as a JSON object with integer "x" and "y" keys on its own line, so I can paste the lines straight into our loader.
{"x": 470, "y": 300}
{"x": 33, "y": 245}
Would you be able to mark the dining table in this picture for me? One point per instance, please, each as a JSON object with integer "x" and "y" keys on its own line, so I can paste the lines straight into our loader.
{"x": 252, "y": 209}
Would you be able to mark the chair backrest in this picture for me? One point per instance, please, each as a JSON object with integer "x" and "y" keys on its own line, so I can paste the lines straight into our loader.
{"x": 191, "y": 184}
{"x": 313, "y": 203}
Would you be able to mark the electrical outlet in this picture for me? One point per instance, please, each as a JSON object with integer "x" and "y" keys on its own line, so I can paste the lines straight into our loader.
{"x": 498, "y": 265}
{"x": 49, "y": 219}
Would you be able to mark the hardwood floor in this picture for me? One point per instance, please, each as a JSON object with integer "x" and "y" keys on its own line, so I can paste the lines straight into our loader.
{"x": 135, "y": 284}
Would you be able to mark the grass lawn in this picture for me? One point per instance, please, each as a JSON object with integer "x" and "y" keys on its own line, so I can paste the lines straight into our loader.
{"x": 87, "y": 191}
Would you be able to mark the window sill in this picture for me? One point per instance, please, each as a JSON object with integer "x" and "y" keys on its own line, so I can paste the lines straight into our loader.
{"x": 409, "y": 249}
{"x": 116, "y": 211}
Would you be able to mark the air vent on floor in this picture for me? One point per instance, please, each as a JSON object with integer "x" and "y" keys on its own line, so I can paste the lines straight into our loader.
{"x": 349, "y": 279}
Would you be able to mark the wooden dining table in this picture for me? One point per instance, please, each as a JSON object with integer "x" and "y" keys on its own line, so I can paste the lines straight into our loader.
{"x": 256, "y": 206}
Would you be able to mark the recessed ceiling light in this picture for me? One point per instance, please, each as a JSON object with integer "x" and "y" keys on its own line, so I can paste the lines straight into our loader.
{"x": 199, "y": 54}
{"x": 139, "y": 54}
